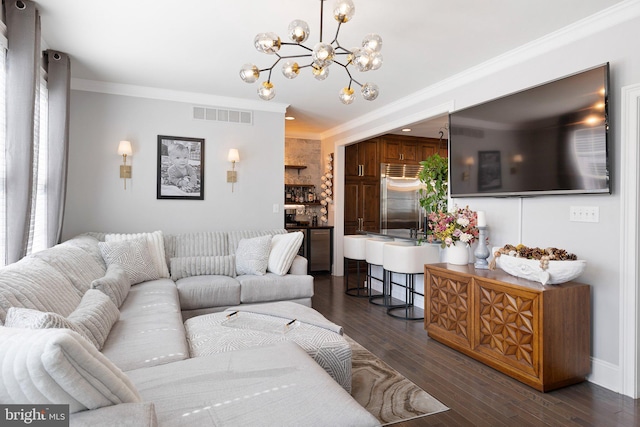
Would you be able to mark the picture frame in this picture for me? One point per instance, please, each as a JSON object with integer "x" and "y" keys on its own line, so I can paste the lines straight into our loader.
{"x": 489, "y": 170}
{"x": 180, "y": 173}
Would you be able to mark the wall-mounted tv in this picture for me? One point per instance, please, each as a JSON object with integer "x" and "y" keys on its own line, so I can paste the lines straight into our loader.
{"x": 549, "y": 139}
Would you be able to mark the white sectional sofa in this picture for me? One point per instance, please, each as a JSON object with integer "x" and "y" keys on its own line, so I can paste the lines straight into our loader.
{"x": 97, "y": 322}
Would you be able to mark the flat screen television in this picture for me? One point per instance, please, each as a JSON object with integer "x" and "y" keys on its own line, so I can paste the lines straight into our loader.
{"x": 549, "y": 139}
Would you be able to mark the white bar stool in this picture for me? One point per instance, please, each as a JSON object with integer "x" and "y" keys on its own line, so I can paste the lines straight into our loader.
{"x": 354, "y": 249}
{"x": 409, "y": 261}
{"x": 374, "y": 249}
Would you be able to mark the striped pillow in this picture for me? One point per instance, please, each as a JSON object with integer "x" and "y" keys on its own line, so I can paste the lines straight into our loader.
{"x": 115, "y": 284}
{"x": 202, "y": 266}
{"x": 95, "y": 315}
{"x": 92, "y": 319}
{"x": 284, "y": 248}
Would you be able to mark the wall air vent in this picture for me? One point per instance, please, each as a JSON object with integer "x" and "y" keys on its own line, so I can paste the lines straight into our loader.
{"x": 215, "y": 114}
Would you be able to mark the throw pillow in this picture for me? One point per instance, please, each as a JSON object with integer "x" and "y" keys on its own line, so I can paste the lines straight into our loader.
{"x": 284, "y": 248}
{"x": 95, "y": 316}
{"x": 115, "y": 284}
{"x": 252, "y": 255}
{"x": 155, "y": 241}
{"x": 19, "y": 317}
{"x": 203, "y": 265}
{"x": 50, "y": 366}
{"x": 134, "y": 258}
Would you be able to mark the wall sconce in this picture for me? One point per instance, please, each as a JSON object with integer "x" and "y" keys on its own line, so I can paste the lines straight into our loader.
{"x": 232, "y": 175}
{"x": 515, "y": 160}
{"x": 124, "y": 149}
{"x": 468, "y": 162}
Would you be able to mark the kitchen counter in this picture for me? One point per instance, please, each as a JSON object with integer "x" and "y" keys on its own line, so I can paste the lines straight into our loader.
{"x": 307, "y": 227}
{"x": 396, "y": 233}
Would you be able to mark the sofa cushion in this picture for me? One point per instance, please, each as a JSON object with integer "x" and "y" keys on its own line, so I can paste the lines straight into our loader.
{"x": 74, "y": 262}
{"x": 280, "y": 384}
{"x": 252, "y": 255}
{"x": 155, "y": 241}
{"x": 33, "y": 283}
{"x": 273, "y": 287}
{"x": 95, "y": 315}
{"x": 203, "y": 265}
{"x": 114, "y": 284}
{"x": 122, "y": 415}
{"x": 150, "y": 330}
{"x": 134, "y": 258}
{"x": 284, "y": 248}
{"x": 58, "y": 366}
{"x": 19, "y": 317}
{"x": 208, "y": 291}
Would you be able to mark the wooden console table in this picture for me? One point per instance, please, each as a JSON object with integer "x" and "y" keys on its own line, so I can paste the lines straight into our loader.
{"x": 539, "y": 335}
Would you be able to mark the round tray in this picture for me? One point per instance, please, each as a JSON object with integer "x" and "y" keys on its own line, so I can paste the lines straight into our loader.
{"x": 556, "y": 272}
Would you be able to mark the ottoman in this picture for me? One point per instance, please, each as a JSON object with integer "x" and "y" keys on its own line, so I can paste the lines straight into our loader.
{"x": 249, "y": 326}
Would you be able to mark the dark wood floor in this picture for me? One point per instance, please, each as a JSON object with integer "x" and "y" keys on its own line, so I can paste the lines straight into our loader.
{"x": 476, "y": 394}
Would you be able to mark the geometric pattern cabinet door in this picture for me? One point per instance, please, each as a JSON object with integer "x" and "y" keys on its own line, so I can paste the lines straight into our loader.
{"x": 539, "y": 335}
{"x": 448, "y": 298}
{"x": 508, "y": 329}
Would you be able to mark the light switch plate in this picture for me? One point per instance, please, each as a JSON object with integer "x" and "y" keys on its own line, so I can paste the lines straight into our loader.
{"x": 584, "y": 214}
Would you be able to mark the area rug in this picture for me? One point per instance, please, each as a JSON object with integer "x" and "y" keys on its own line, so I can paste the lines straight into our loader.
{"x": 386, "y": 393}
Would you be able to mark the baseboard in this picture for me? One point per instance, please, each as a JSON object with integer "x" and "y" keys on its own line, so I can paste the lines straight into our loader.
{"x": 605, "y": 374}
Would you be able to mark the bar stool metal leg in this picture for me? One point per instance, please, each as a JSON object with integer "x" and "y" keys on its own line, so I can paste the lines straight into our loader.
{"x": 410, "y": 293}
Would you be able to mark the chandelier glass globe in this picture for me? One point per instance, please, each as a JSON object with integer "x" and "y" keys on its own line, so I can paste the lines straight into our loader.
{"x": 298, "y": 31}
{"x": 343, "y": 11}
{"x": 320, "y": 73}
{"x": 361, "y": 59}
{"x": 290, "y": 69}
{"x": 373, "y": 42}
{"x": 266, "y": 91}
{"x": 249, "y": 73}
{"x": 370, "y": 91}
{"x": 376, "y": 60}
{"x": 347, "y": 95}
{"x": 267, "y": 43}
{"x": 323, "y": 54}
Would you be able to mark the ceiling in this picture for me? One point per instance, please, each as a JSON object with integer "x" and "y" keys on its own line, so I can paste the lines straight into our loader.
{"x": 199, "y": 45}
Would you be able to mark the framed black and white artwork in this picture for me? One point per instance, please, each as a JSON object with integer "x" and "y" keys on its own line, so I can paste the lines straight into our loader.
{"x": 180, "y": 168}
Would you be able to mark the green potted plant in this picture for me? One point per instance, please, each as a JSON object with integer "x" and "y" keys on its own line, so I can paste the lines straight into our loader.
{"x": 435, "y": 177}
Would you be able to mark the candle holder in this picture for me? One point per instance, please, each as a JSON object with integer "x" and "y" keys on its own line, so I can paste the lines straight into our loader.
{"x": 482, "y": 251}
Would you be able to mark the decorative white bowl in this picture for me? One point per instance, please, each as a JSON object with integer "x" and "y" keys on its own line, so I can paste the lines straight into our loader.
{"x": 556, "y": 272}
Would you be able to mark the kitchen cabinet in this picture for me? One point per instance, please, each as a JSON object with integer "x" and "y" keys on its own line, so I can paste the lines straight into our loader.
{"x": 398, "y": 150}
{"x": 410, "y": 150}
{"x": 362, "y": 187}
{"x": 539, "y": 335}
{"x": 362, "y": 160}
{"x": 362, "y": 206}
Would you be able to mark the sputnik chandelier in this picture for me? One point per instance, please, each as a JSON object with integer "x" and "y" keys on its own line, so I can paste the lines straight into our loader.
{"x": 322, "y": 55}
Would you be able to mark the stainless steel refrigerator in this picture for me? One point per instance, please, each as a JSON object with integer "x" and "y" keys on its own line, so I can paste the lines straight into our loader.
{"x": 399, "y": 197}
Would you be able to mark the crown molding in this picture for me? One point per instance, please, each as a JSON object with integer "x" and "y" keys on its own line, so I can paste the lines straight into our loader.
{"x": 607, "y": 18}
{"x": 175, "y": 95}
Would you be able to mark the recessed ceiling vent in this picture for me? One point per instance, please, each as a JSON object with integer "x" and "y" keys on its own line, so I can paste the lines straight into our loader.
{"x": 223, "y": 115}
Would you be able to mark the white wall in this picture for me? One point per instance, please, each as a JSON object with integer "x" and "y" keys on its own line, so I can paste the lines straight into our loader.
{"x": 97, "y": 201}
{"x": 542, "y": 221}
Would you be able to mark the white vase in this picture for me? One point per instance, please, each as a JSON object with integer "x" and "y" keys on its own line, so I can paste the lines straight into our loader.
{"x": 458, "y": 253}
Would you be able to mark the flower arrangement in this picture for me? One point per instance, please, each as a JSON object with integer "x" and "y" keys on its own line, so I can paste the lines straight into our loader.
{"x": 450, "y": 227}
